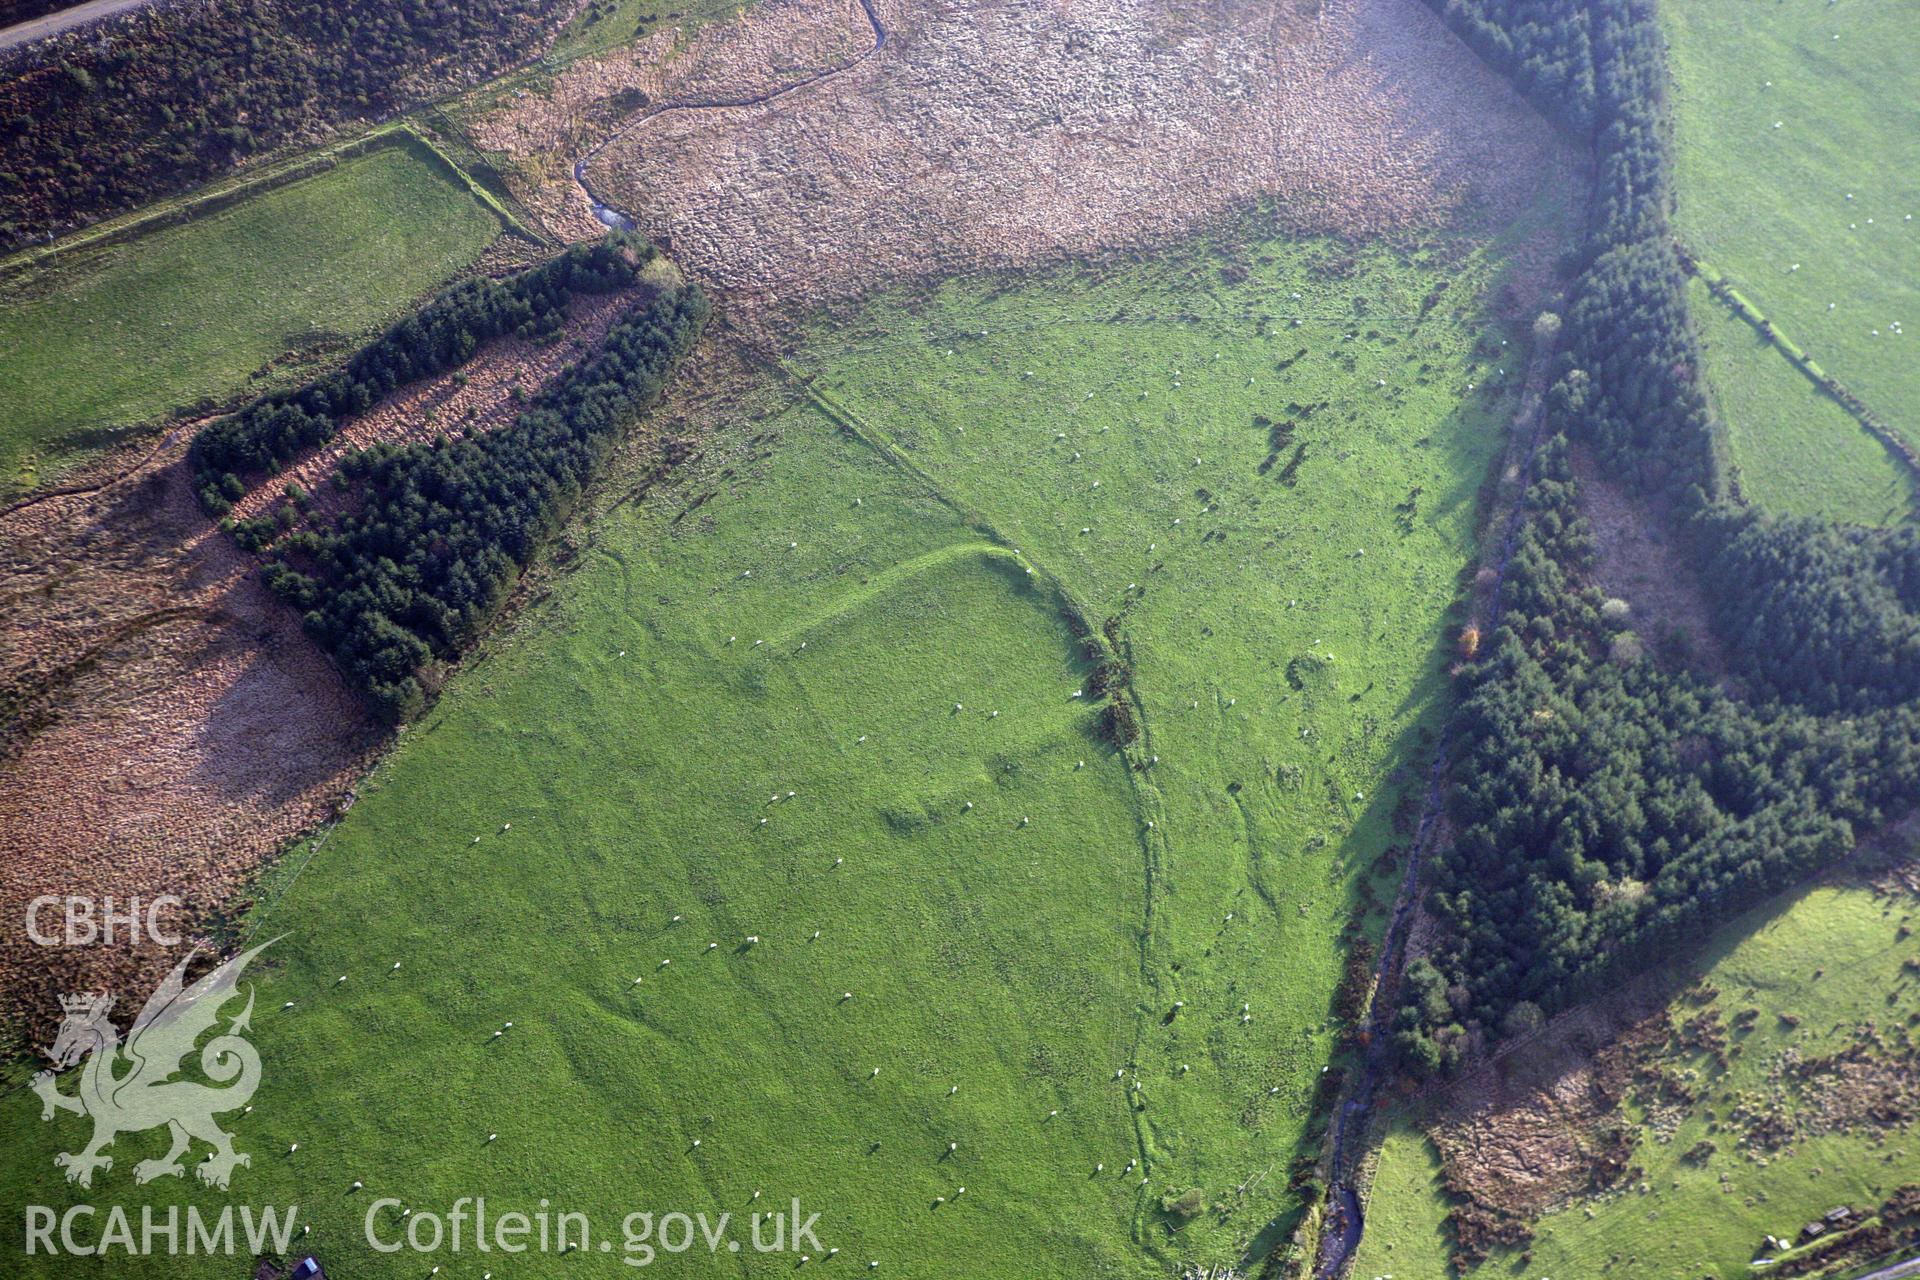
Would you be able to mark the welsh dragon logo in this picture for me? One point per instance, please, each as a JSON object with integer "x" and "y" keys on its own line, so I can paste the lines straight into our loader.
{"x": 132, "y": 1088}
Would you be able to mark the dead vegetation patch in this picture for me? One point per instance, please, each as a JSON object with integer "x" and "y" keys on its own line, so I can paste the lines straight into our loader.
{"x": 1556, "y": 1117}
{"x": 1870, "y": 1085}
{"x": 1530, "y": 1129}
{"x": 1638, "y": 561}
{"x": 485, "y": 393}
{"x": 167, "y": 723}
{"x": 990, "y": 135}
{"x": 774, "y": 44}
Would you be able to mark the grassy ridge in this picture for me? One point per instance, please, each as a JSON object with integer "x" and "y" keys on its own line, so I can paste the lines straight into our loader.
{"x": 103, "y": 340}
{"x": 1756, "y": 200}
{"x": 1287, "y": 630}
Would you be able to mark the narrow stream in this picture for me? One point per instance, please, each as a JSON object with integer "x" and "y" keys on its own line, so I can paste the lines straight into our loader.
{"x": 619, "y": 218}
{"x": 1345, "y": 1217}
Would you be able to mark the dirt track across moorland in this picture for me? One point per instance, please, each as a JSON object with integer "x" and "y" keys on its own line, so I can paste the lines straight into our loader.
{"x": 52, "y": 24}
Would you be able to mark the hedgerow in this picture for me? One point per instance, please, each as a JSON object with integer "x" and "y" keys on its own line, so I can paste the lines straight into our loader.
{"x": 1611, "y": 805}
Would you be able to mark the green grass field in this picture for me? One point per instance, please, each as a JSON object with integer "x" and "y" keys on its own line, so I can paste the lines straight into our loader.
{"x": 1289, "y": 638}
{"x": 1016, "y": 907}
{"x": 608, "y": 24}
{"x": 103, "y": 340}
{"x": 1833, "y": 959}
{"x": 1406, "y": 1230}
{"x": 1799, "y": 451}
{"x": 1756, "y": 200}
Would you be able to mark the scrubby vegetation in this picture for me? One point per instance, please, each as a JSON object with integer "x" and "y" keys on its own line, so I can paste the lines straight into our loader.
{"x": 176, "y": 95}
{"x": 1610, "y": 801}
{"x": 1777, "y": 1083}
{"x": 442, "y": 335}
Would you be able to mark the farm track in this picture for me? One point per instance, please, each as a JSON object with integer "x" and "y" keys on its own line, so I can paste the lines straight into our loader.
{"x": 1899, "y": 1271}
{"x": 48, "y": 25}
{"x": 1354, "y": 1112}
{"x": 117, "y": 476}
